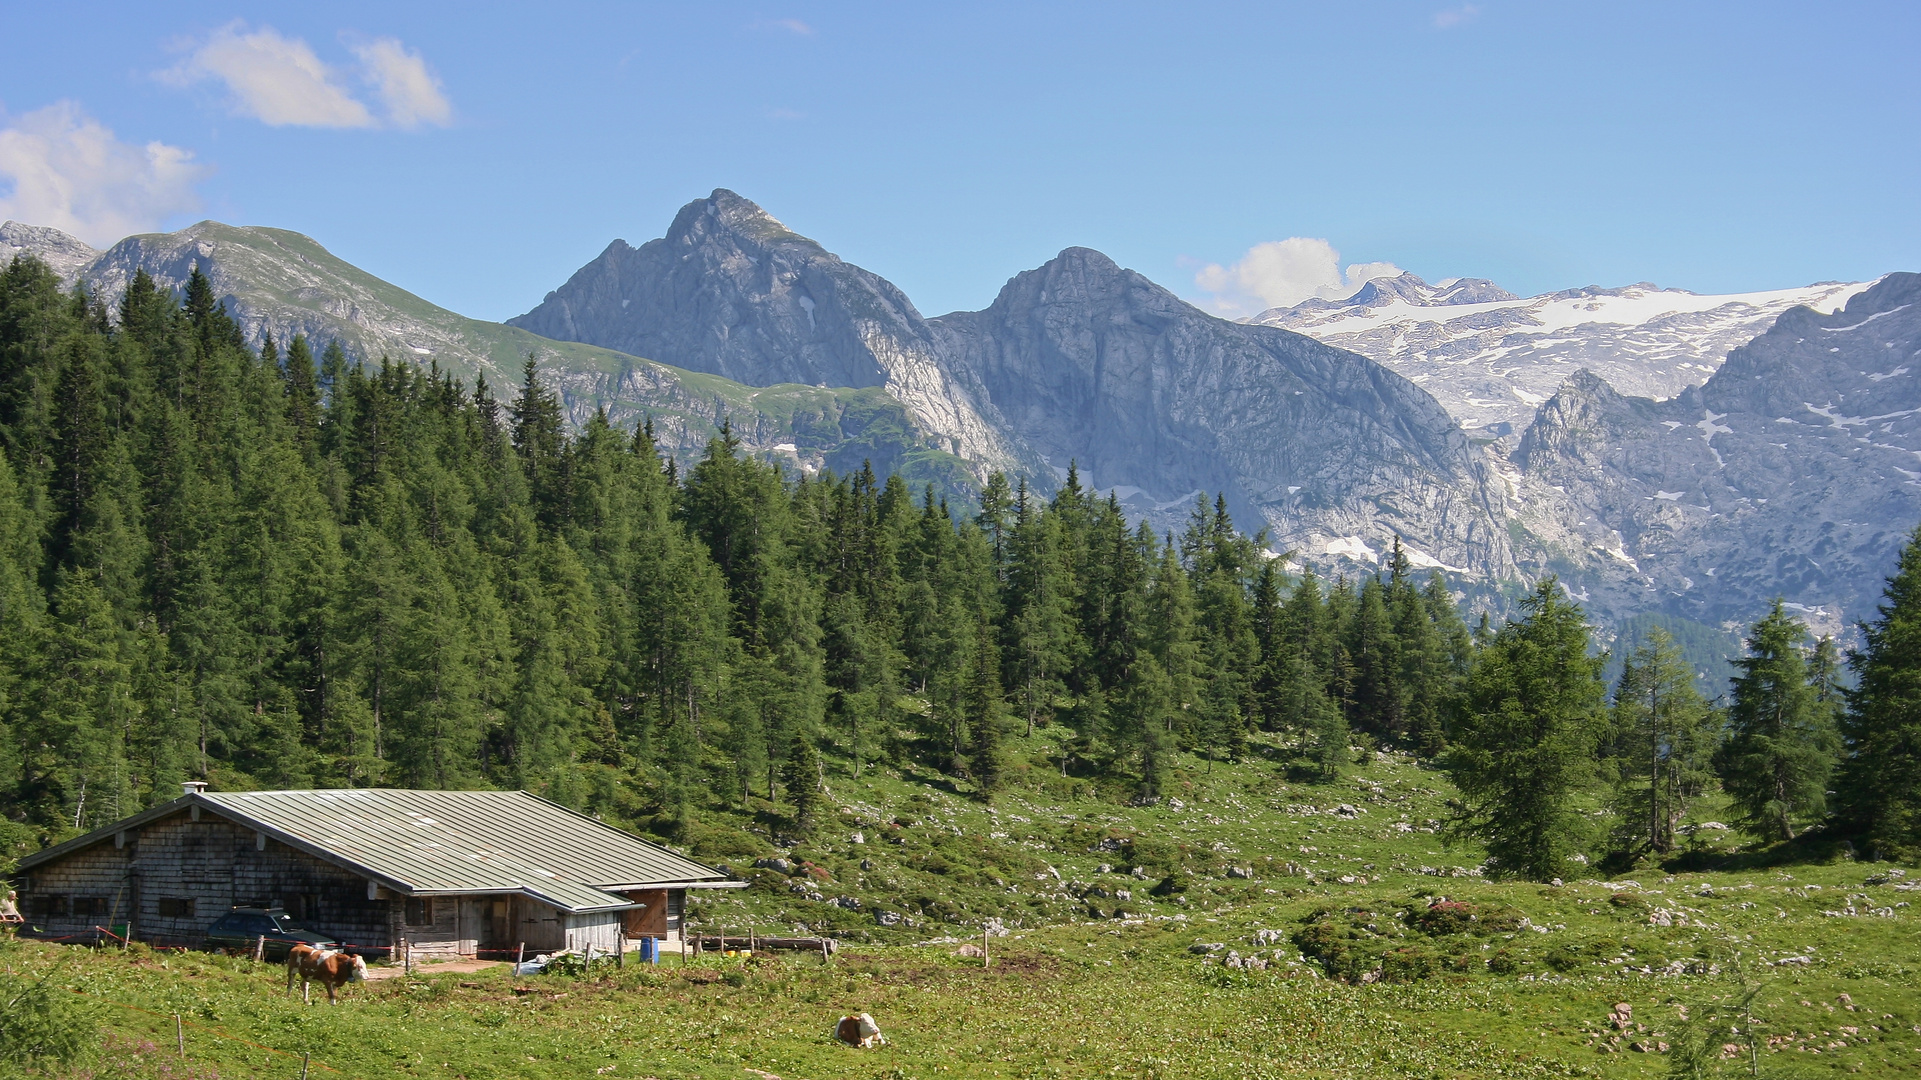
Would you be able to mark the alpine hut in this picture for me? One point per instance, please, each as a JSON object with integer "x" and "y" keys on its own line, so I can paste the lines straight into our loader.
{"x": 453, "y": 873}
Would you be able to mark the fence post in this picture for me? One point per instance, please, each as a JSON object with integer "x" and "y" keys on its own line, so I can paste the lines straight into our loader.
{"x": 984, "y": 958}
{"x": 260, "y": 948}
{"x": 303, "y": 1066}
{"x": 179, "y": 1035}
{"x": 406, "y": 957}
{"x": 620, "y": 949}
{"x": 520, "y": 955}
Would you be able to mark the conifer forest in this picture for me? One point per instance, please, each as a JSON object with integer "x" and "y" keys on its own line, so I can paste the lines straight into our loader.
{"x": 286, "y": 567}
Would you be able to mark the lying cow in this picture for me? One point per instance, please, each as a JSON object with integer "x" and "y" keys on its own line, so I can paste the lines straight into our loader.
{"x": 332, "y": 968}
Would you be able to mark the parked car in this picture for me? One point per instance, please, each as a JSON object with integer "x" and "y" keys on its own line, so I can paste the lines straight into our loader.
{"x": 240, "y": 929}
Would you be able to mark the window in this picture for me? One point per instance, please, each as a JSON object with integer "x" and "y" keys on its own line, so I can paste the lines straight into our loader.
{"x": 419, "y": 911}
{"x": 176, "y": 907}
{"x": 303, "y": 907}
{"x": 53, "y": 904}
{"x": 89, "y": 905}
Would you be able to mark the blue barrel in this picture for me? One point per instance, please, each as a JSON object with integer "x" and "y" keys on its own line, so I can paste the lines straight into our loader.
{"x": 649, "y": 950}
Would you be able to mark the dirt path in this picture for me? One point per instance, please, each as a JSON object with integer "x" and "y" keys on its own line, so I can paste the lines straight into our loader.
{"x": 445, "y": 967}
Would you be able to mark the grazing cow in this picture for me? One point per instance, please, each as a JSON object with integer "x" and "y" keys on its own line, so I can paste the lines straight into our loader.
{"x": 331, "y": 968}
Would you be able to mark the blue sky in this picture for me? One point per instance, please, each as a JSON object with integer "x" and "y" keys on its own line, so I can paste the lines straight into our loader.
{"x": 477, "y": 154}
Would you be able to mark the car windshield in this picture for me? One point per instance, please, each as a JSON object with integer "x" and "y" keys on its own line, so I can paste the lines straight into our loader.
{"x": 283, "y": 923}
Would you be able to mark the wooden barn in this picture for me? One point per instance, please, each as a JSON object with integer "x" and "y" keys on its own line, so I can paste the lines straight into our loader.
{"x": 454, "y": 873}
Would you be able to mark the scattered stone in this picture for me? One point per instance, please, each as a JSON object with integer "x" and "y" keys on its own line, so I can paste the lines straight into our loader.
{"x": 887, "y": 918}
{"x": 1265, "y": 938}
{"x": 1206, "y": 947}
{"x": 776, "y": 864}
{"x": 1240, "y": 872}
{"x": 849, "y": 903}
{"x": 970, "y": 949}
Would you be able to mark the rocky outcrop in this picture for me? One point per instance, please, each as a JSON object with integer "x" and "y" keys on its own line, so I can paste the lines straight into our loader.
{"x": 1795, "y": 471}
{"x": 732, "y": 291}
{"x": 65, "y": 254}
{"x": 1159, "y": 402}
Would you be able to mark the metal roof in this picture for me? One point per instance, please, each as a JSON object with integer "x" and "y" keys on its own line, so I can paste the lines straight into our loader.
{"x": 449, "y": 842}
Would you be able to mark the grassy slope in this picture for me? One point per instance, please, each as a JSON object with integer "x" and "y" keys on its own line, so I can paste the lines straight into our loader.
{"x": 1071, "y": 994}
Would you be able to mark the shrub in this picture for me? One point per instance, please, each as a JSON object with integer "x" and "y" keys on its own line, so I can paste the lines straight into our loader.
{"x": 40, "y": 1025}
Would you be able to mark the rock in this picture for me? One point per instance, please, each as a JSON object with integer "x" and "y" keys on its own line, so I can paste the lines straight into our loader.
{"x": 776, "y": 864}
{"x": 849, "y": 903}
{"x": 970, "y": 949}
{"x": 1265, "y": 938}
{"x": 1621, "y": 1016}
{"x": 887, "y": 918}
{"x": 867, "y": 864}
{"x": 1240, "y": 872}
{"x": 859, "y": 1031}
{"x": 1754, "y": 484}
{"x": 1205, "y": 947}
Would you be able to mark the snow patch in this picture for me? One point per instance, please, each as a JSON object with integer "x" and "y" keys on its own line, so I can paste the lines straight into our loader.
{"x": 1353, "y": 547}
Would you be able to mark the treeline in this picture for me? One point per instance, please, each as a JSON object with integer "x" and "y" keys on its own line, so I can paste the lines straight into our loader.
{"x": 270, "y": 569}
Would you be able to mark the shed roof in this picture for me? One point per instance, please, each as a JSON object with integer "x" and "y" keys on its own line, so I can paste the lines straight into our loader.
{"x": 448, "y": 842}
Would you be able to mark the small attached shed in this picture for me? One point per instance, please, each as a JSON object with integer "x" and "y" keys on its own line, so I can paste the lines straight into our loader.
{"x": 455, "y": 873}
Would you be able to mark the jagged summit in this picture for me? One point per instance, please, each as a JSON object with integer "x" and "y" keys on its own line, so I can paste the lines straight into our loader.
{"x": 732, "y": 291}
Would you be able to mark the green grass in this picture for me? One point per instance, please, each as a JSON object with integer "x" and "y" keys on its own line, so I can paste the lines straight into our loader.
{"x": 1091, "y": 985}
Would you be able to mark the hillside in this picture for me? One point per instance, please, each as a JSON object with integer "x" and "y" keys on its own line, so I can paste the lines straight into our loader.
{"x": 1082, "y": 984}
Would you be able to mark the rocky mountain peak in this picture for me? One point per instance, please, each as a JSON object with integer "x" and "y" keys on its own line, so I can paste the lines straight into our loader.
{"x": 696, "y": 222}
{"x": 66, "y": 255}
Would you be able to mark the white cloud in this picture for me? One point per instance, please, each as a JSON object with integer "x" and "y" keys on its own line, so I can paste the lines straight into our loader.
{"x": 276, "y": 80}
{"x": 1281, "y": 273}
{"x": 281, "y": 81}
{"x": 409, "y": 90}
{"x": 1453, "y": 17}
{"x": 61, "y": 168}
{"x": 792, "y": 26}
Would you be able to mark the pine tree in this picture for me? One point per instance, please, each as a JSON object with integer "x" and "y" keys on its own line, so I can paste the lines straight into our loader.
{"x": 1524, "y": 752}
{"x": 1662, "y": 728}
{"x": 1879, "y": 787}
{"x": 801, "y": 777}
{"x": 1781, "y": 744}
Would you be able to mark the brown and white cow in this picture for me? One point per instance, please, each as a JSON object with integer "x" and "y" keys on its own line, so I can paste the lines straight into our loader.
{"x": 332, "y": 968}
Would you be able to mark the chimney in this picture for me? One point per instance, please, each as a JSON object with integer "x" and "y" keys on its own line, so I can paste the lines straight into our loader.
{"x": 193, "y": 787}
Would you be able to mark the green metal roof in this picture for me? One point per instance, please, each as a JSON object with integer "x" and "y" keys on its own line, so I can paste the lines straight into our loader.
{"x": 449, "y": 842}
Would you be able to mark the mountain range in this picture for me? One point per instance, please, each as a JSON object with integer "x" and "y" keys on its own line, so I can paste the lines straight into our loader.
{"x": 1665, "y": 453}
{"x": 1491, "y": 358}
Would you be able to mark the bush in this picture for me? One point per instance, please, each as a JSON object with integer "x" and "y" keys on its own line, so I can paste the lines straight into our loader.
{"x": 42, "y": 1025}
{"x": 1444, "y": 917}
{"x": 1506, "y": 962}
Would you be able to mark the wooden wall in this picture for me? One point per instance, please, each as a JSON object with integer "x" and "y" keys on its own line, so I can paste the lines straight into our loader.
{"x": 217, "y": 865}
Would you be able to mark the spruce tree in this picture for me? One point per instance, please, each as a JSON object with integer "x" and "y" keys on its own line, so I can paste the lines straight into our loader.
{"x": 1661, "y": 727}
{"x": 1781, "y": 744}
{"x": 801, "y": 777}
{"x": 1878, "y": 792}
{"x": 1524, "y": 751}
